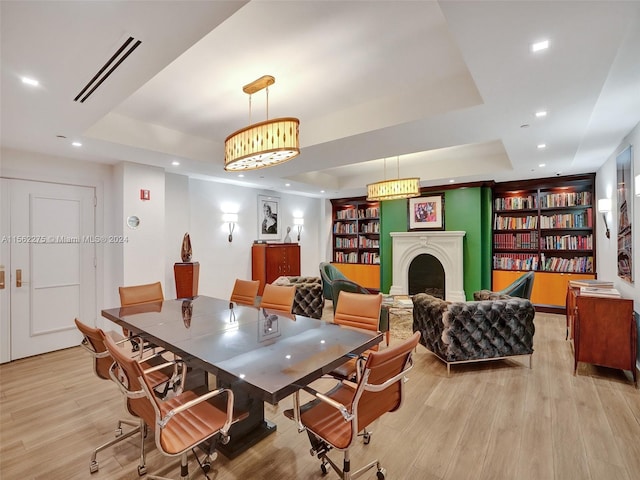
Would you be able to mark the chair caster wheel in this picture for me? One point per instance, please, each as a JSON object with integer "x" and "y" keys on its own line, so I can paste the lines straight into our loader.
{"x": 93, "y": 468}
{"x": 206, "y": 467}
{"x": 366, "y": 438}
{"x": 142, "y": 470}
{"x": 323, "y": 467}
{"x": 380, "y": 474}
{"x": 224, "y": 439}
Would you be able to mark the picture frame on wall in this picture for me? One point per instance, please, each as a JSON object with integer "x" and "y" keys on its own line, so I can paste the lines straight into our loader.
{"x": 269, "y": 218}
{"x": 624, "y": 178}
{"x": 426, "y": 212}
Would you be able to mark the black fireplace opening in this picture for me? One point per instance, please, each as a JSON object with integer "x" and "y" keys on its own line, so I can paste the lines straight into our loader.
{"x": 426, "y": 275}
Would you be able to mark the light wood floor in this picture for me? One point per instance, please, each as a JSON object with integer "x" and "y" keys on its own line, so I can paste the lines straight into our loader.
{"x": 495, "y": 420}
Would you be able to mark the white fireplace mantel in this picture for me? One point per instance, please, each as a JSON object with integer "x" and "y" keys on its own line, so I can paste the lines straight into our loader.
{"x": 446, "y": 246}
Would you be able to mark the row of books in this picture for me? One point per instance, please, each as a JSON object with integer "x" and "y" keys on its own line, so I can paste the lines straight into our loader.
{"x": 353, "y": 214}
{"x": 370, "y": 212}
{"x": 515, "y": 261}
{"x": 343, "y": 257}
{"x": 575, "y": 265}
{"x": 345, "y": 228}
{"x": 369, "y": 243}
{"x": 370, "y": 227}
{"x": 370, "y": 258}
{"x": 529, "y": 202}
{"x": 529, "y": 222}
{"x": 567, "y": 242}
{"x": 567, "y": 220}
{"x": 342, "y": 242}
{"x": 565, "y": 199}
{"x": 524, "y": 240}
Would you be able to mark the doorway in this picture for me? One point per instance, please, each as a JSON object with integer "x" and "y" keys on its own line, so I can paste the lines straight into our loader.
{"x": 47, "y": 257}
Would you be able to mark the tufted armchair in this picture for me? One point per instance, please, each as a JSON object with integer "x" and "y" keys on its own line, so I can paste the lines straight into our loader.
{"x": 308, "y": 300}
{"x": 461, "y": 332}
{"x": 521, "y": 288}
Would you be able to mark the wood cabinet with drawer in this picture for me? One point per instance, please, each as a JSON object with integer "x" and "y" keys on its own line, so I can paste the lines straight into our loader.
{"x": 272, "y": 260}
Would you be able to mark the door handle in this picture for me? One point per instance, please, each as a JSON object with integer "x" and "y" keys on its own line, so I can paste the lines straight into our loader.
{"x": 1, "y": 279}
{"x": 18, "y": 278}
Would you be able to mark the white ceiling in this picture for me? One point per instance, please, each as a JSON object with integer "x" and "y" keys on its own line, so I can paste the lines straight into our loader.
{"x": 446, "y": 86}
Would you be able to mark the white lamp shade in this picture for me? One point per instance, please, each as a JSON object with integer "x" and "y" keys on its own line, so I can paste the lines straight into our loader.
{"x": 604, "y": 205}
{"x": 298, "y": 221}
{"x": 230, "y": 217}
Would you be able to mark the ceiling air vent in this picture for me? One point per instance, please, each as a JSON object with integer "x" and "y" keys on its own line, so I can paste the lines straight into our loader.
{"x": 107, "y": 69}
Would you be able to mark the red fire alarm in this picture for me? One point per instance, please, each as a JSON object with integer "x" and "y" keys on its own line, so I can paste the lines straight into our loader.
{"x": 145, "y": 195}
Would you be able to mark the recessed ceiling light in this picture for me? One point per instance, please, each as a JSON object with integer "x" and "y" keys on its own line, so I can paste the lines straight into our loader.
{"x": 542, "y": 165}
{"x": 321, "y": 191}
{"x": 287, "y": 184}
{"x": 538, "y": 46}
{"x": 175, "y": 163}
{"x": 541, "y": 113}
{"x": 30, "y": 81}
{"x": 241, "y": 175}
{"x": 541, "y": 146}
{"x": 76, "y": 144}
{"x": 451, "y": 181}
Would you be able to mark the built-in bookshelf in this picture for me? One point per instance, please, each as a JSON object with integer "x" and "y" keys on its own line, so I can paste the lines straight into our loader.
{"x": 544, "y": 225}
{"x": 356, "y": 231}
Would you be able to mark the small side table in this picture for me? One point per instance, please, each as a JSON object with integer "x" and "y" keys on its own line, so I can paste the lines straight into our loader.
{"x": 186, "y": 276}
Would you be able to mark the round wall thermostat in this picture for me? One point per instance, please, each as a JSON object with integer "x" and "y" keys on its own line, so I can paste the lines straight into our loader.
{"x": 133, "y": 221}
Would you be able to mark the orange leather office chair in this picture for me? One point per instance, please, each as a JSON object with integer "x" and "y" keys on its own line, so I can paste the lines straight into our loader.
{"x": 245, "y": 292}
{"x": 358, "y": 311}
{"x": 180, "y": 423}
{"x": 94, "y": 343}
{"x": 278, "y": 297}
{"x": 333, "y": 419}
{"x": 137, "y": 294}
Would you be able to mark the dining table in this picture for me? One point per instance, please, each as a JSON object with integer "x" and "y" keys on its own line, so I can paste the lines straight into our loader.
{"x": 262, "y": 355}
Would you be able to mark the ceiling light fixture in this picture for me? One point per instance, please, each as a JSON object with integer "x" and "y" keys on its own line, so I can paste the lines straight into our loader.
{"x": 541, "y": 114}
{"x": 76, "y": 144}
{"x": 541, "y": 146}
{"x": 30, "y": 81}
{"x": 175, "y": 163}
{"x": 393, "y": 189}
{"x": 538, "y": 46}
{"x": 262, "y": 144}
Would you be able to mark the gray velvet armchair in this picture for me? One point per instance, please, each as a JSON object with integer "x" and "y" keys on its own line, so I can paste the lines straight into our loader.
{"x": 461, "y": 332}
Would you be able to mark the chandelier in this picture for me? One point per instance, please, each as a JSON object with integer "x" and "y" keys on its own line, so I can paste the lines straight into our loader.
{"x": 262, "y": 144}
{"x": 393, "y": 189}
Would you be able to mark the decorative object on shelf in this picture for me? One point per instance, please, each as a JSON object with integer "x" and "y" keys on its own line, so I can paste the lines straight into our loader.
{"x": 625, "y": 215}
{"x": 231, "y": 219}
{"x": 262, "y": 144}
{"x": 604, "y": 207}
{"x": 298, "y": 222}
{"x": 185, "y": 251}
{"x": 287, "y": 237}
{"x": 268, "y": 218}
{"x": 393, "y": 189}
{"x": 426, "y": 213}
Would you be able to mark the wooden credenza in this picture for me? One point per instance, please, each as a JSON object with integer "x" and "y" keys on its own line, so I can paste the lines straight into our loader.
{"x": 604, "y": 332}
{"x": 272, "y": 260}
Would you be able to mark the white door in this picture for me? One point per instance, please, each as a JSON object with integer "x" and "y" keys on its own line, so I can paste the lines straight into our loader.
{"x": 50, "y": 275}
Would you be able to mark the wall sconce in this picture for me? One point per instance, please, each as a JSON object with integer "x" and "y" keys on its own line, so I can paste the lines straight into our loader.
{"x": 637, "y": 191}
{"x": 604, "y": 207}
{"x": 231, "y": 219}
{"x": 299, "y": 222}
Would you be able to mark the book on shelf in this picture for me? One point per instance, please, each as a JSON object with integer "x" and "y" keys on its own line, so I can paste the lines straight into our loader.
{"x": 591, "y": 283}
{"x": 599, "y": 292}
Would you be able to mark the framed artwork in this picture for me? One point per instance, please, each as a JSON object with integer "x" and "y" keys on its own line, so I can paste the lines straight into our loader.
{"x": 625, "y": 214}
{"x": 269, "y": 218}
{"x": 426, "y": 213}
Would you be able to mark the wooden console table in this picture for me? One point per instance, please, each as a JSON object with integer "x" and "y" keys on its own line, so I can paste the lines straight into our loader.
{"x": 604, "y": 332}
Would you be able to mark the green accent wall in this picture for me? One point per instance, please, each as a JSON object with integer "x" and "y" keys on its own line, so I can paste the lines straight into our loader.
{"x": 466, "y": 209}
{"x": 393, "y": 218}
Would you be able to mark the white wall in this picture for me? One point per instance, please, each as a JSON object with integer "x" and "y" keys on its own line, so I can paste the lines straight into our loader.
{"x": 607, "y": 248}
{"x": 221, "y": 261}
